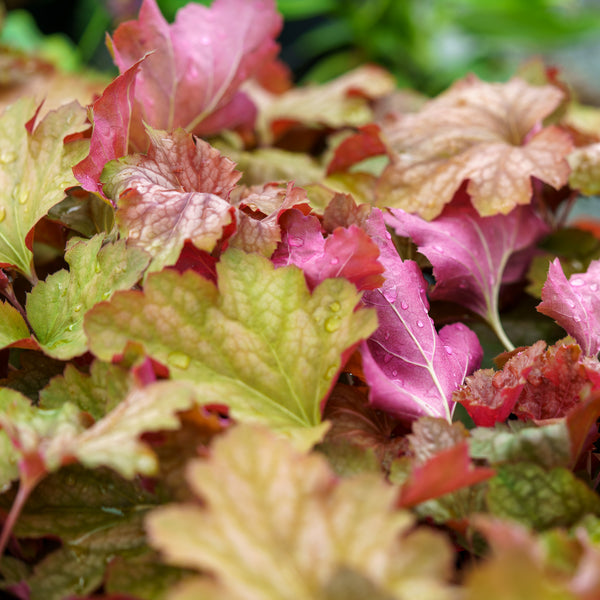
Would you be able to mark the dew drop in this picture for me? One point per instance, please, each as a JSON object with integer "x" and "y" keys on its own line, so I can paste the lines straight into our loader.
{"x": 332, "y": 324}
{"x": 388, "y": 235}
{"x": 20, "y": 194}
{"x": 420, "y": 324}
{"x": 386, "y": 335}
{"x": 71, "y": 327}
{"x": 8, "y": 157}
{"x": 2, "y": 213}
{"x": 335, "y": 306}
{"x": 448, "y": 349}
{"x": 295, "y": 242}
{"x": 594, "y": 287}
{"x": 570, "y": 303}
{"x": 394, "y": 373}
{"x": 404, "y": 305}
{"x": 179, "y": 360}
{"x": 576, "y": 319}
{"x": 387, "y": 358}
{"x": 77, "y": 307}
{"x": 577, "y": 282}
{"x": 97, "y": 267}
{"x": 334, "y": 260}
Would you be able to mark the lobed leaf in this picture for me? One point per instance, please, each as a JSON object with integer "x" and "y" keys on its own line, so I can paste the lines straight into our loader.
{"x": 258, "y": 546}
{"x": 35, "y": 170}
{"x": 486, "y": 133}
{"x": 177, "y": 191}
{"x": 56, "y": 307}
{"x": 260, "y": 343}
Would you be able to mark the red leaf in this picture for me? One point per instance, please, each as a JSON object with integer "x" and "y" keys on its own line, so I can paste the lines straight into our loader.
{"x": 110, "y": 137}
{"x": 447, "y": 471}
{"x": 357, "y": 147}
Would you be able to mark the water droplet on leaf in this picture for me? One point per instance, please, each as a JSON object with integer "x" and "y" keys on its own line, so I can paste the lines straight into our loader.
{"x": 179, "y": 360}
{"x": 448, "y": 349}
{"x": 332, "y": 324}
{"x": 419, "y": 323}
{"x": 404, "y": 305}
{"x": 77, "y": 307}
{"x": 335, "y": 306}
{"x": 331, "y": 372}
{"x": 7, "y": 157}
{"x": 387, "y": 358}
{"x": 295, "y": 242}
{"x": 2, "y": 213}
{"x": 577, "y": 282}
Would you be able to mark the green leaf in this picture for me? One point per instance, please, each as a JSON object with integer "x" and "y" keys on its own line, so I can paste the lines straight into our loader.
{"x": 9, "y": 470}
{"x": 527, "y": 493}
{"x": 97, "y": 393}
{"x": 12, "y": 325}
{"x": 58, "y": 436}
{"x": 35, "y": 169}
{"x": 261, "y": 343}
{"x": 276, "y": 523}
{"x": 548, "y": 446}
{"x": 56, "y": 307}
{"x": 142, "y": 576}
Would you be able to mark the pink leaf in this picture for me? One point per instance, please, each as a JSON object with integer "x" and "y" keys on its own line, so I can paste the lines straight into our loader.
{"x": 192, "y": 79}
{"x": 574, "y": 304}
{"x": 348, "y": 252}
{"x": 472, "y": 256}
{"x": 110, "y": 137}
{"x": 411, "y": 369}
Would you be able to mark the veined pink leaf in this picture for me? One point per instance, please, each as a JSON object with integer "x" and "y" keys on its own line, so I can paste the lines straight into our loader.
{"x": 178, "y": 191}
{"x": 411, "y": 369}
{"x": 192, "y": 78}
{"x": 110, "y": 137}
{"x": 347, "y": 252}
{"x": 574, "y": 304}
{"x": 473, "y": 256}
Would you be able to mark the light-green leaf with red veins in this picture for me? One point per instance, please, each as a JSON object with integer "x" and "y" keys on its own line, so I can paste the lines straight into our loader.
{"x": 178, "y": 191}
{"x": 261, "y": 343}
{"x": 35, "y": 169}
{"x": 56, "y": 307}
{"x": 278, "y": 524}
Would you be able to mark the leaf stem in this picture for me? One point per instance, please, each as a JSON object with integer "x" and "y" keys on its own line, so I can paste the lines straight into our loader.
{"x": 29, "y": 479}
{"x": 494, "y": 322}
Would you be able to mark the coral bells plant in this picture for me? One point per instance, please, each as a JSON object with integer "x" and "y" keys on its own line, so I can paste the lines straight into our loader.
{"x": 263, "y": 341}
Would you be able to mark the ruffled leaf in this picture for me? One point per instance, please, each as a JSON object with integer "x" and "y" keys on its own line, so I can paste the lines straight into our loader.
{"x": 178, "y": 191}
{"x": 56, "y": 307}
{"x": 347, "y": 252}
{"x": 481, "y": 132}
{"x": 260, "y": 343}
{"x": 261, "y": 548}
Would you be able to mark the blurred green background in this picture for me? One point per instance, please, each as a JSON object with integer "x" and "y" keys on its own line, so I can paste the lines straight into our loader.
{"x": 426, "y": 44}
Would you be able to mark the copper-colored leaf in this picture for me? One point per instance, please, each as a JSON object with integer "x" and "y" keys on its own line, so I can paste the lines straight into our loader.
{"x": 487, "y": 133}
